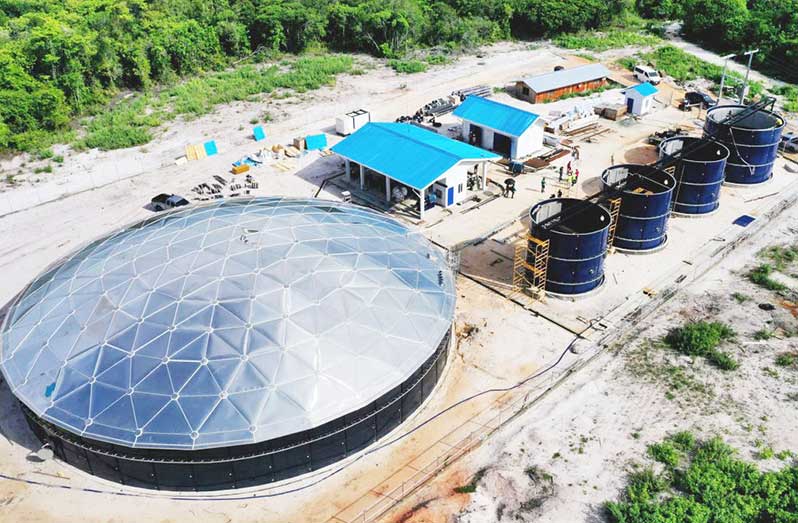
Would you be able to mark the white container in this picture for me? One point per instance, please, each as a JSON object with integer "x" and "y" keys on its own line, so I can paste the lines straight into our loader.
{"x": 352, "y": 121}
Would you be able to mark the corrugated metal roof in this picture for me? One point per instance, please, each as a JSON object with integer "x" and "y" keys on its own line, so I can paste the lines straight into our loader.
{"x": 565, "y": 77}
{"x": 407, "y": 153}
{"x": 644, "y": 89}
{"x": 503, "y": 118}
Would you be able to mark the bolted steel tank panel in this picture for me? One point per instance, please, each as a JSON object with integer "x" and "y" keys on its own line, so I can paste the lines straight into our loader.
{"x": 699, "y": 173}
{"x": 645, "y": 205}
{"x": 577, "y": 232}
{"x": 753, "y": 142}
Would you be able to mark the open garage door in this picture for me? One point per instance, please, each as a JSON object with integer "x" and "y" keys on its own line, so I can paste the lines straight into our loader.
{"x": 502, "y": 144}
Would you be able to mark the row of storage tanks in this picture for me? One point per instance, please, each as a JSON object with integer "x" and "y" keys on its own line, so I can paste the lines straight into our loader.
{"x": 741, "y": 154}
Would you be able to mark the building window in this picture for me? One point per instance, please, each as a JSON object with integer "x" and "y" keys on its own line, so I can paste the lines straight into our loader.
{"x": 525, "y": 90}
{"x": 459, "y": 187}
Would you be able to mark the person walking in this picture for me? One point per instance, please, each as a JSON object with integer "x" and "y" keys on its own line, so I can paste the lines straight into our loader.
{"x": 562, "y": 168}
{"x": 542, "y": 184}
{"x": 559, "y": 193}
{"x": 576, "y": 175}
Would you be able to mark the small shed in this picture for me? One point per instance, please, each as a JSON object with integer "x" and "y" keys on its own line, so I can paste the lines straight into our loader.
{"x": 552, "y": 86}
{"x": 509, "y": 131}
{"x": 640, "y": 98}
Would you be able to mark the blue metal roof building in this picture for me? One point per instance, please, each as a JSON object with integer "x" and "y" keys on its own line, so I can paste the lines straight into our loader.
{"x": 499, "y": 127}
{"x": 645, "y": 89}
{"x": 498, "y": 116}
{"x": 407, "y": 154}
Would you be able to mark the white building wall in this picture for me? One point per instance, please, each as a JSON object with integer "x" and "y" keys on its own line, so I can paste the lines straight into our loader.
{"x": 640, "y": 104}
{"x": 531, "y": 141}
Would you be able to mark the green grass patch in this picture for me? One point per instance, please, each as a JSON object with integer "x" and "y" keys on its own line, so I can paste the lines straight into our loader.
{"x": 763, "y": 334}
{"x": 665, "y": 453}
{"x": 407, "y": 66}
{"x": 471, "y": 486}
{"x": 685, "y": 67}
{"x": 130, "y": 122}
{"x": 760, "y": 275}
{"x": 702, "y": 338}
{"x": 739, "y": 297}
{"x": 782, "y": 256}
{"x": 603, "y": 41}
{"x": 788, "y": 359}
{"x": 710, "y": 484}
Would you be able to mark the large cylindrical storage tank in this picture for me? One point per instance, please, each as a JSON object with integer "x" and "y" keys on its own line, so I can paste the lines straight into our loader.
{"x": 645, "y": 194}
{"x": 577, "y": 232}
{"x": 700, "y": 166}
{"x": 753, "y": 142}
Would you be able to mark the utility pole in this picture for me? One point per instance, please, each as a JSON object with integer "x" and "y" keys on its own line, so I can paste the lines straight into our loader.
{"x": 747, "y": 72}
{"x": 723, "y": 78}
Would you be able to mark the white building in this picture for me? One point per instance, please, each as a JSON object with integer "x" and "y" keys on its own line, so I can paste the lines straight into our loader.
{"x": 509, "y": 131}
{"x": 400, "y": 155}
{"x": 640, "y": 98}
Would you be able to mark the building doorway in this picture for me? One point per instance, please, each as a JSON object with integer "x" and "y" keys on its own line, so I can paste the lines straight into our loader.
{"x": 502, "y": 144}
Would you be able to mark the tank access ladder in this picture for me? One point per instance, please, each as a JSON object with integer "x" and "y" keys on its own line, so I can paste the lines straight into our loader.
{"x": 530, "y": 264}
{"x": 615, "y": 210}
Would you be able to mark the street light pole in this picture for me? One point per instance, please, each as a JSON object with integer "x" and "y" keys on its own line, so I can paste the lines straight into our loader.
{"x": 747, "y": 72}
{"x": 723, "y": 77}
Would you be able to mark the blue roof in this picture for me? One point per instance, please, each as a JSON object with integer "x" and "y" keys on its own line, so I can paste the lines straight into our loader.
{"x": 407, "y": 153}
{"x": 498, "y": 116}
{"x": 644, "y": 89}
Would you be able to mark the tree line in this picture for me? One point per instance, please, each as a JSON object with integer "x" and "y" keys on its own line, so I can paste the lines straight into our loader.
{"x": 737, "y": 25}
{"x": 62, "y": 59}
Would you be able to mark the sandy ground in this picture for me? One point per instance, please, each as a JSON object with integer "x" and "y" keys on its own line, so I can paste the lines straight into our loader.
{"x": 587, "y": 433}
{"x": 511, "y": 342}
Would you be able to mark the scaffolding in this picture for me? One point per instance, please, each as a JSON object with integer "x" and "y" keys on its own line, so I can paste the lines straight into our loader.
{"x": 530, "y": 264}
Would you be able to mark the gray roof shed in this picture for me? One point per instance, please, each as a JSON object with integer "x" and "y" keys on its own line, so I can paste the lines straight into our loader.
{"x": 565, "y": 77}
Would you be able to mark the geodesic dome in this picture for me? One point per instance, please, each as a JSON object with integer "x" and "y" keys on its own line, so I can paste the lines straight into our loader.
{"x": 226, "y": 324}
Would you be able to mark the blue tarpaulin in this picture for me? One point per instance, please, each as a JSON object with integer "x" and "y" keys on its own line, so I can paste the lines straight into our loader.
{"x": 408, "y": 154}
{"x": 258, "y": 133}
{"x": 497, "y": 116}
{"x": 315, "y": 141}
{"x": 210, "y": 148}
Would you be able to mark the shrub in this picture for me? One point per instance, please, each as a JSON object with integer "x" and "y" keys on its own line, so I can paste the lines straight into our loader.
{"x": 701, "y": 338}
{"x": 711, "y": 484}
{"x": 665, "y": 453}
{"x": 760, "y": 275}
{"x": 407, "y": 66}
{"x": 788, "y": 359}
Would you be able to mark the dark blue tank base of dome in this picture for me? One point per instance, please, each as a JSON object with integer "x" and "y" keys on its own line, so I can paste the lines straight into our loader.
{"x": 761, "y": 181}
{"x": 564, "y": 291}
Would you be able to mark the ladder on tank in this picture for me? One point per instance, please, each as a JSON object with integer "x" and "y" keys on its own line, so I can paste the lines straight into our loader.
{"x": 671, "y": 169}
{"x": 615, "y": 210}
{"x": 530, "y": 277}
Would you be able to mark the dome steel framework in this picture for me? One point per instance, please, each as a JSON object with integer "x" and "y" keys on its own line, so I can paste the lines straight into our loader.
{"x": 230, "y": 344}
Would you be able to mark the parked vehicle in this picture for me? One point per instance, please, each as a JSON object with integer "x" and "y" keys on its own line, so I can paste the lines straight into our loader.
{"x": 659, "y": 136}
{"x": 789, "y": 142}
{"x": 644, "y": 73}
{"x": 697, "y": 99}
{"x": 164, "y": 201}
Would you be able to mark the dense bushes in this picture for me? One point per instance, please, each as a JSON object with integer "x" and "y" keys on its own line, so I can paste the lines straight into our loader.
{"x": 706, "y": 482}
{"x": 737, "y": 25}
{"x": 702, "y": 338}
{"x": 62, "y": 59}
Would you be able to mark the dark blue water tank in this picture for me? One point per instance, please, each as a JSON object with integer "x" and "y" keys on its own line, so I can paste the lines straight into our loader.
{"x": 577, "y": 232}
{"x": 753, "y": 142}
{"x": 645, "y": 194}
{"x": 700, "y": 165}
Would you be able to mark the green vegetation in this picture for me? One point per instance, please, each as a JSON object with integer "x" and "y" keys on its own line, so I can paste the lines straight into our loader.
{"x": 588, "y": 92}
{"x": 763, "y": 334}
{"x": 760, "y": 275}
{"x": 790, "y": 94}
{"x": 602, "y": 41}
{"x": 471, "y": 486}
{"x": 788, "y": 359}
{"x": 647, "y": 363}
{"x": 781, "y": 255}
{"x": 65, "y": 60}
{"x": 706, "y": 482}
{"x": 739, "y": 297}
{"x": 129, "y": 123}
{"x": 685, "y": 67}
{"x": 407, "y": 66}
{"x": 702, "y": 338}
